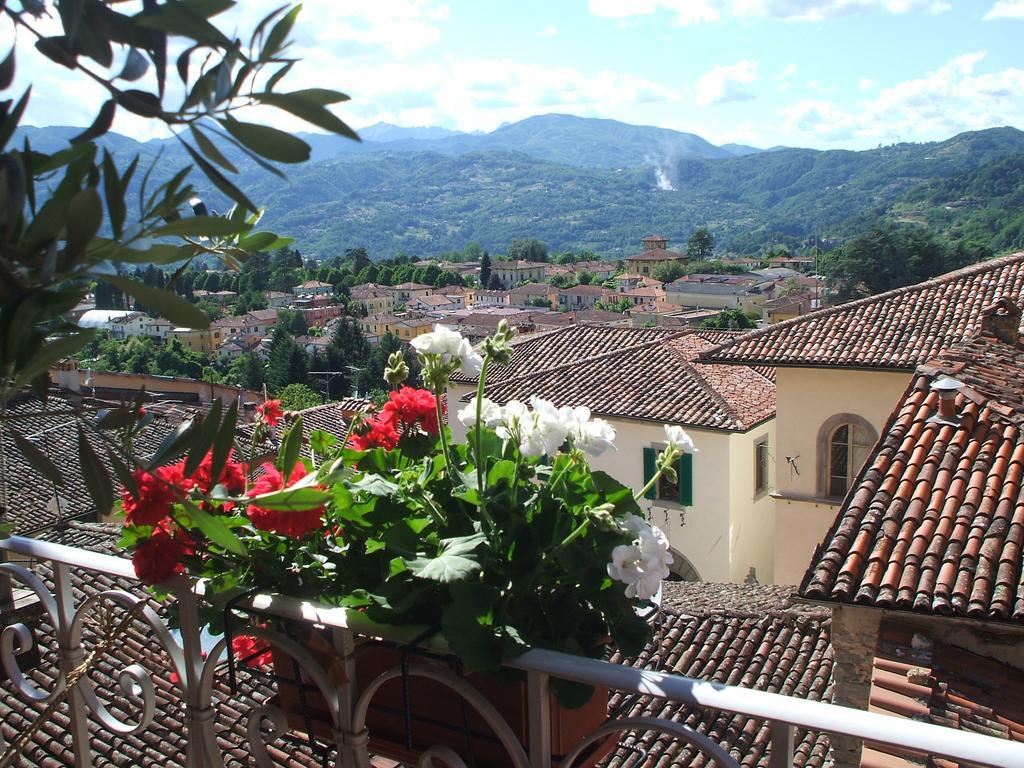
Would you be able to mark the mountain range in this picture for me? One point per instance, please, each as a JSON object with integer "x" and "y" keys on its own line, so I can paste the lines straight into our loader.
{"x": 580, "y": 183}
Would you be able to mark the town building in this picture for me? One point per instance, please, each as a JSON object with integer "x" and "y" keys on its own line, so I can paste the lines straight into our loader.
{"x": 655, "y": 252}
{"x": 404, "y": 292}
{"x": 484, "y": 298}
{"x": 312, "y": 288}
{"x": 581, "y": 296}
{"x": 460, "y": 296}
{"x": 923, "y": 561}
{"x": 195, "y": 339}
{"x": 531, "y": 294}
{"x": 601, "y": 270}
{"x": 838, "y": 373}
{"x": 158, "y": 328}
{"x": 434, "y": 302}
{"x": 128, "y": 325}
{"x": 743, "y": 292}
{"x": 717, "y": 516}
{"x": 278, "y": 299}
{"x": 513, "y": 272}
{"x": 374, "y": 299}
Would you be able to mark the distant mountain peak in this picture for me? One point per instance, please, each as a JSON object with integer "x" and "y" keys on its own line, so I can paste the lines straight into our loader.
{"x": 387, "y": 132}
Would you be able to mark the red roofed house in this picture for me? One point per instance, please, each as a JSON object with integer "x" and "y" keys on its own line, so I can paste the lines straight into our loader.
{"x": 838, "y": 372}
{"x": 923, "y": 562}
{"x": 717, "y": 517}
{"x": 655, "y": 251}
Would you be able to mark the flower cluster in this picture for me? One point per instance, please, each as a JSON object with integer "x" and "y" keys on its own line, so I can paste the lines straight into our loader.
{"x": 408, "y": 411}
{"x": 543, "y": 430}
{"x": 294, "y": 523}
{"x": 642, "y": 564}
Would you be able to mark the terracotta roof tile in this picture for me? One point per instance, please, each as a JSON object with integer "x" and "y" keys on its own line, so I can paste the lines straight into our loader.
{"x": 895, "y": 330}
{"x": 935, "y": 521}
{"x": 656, "y": 378}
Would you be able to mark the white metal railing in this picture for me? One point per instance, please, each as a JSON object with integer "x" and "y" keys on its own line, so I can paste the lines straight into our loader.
{"x": 348, "y": 707}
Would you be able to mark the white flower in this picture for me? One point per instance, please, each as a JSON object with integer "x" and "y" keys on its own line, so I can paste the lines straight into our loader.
{"x": 676, "y": 437}
{"x": 545, "y": 432}
{"x": 642, "y": 565}
{"x": 513, "y": 416}
{"x": 490, "y": 413}
{"x": 450, "y": 345}
{"x": 594, "y": 437}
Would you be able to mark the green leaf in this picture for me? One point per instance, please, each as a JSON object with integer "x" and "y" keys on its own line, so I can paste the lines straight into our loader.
{"x": 167, "y": 304}
{"x": 209, "y": 149}
{"x": 279, "y": 33}
{"x": 113, "y": 190}
{"x": 292, "y": 499}
{"x": 85, "y": 215}
{"x": 444, "y": 568}
{"x": 201, "y": 226}
{"x": 219, "y": 181}
{"x": 268, "y": 142}
{"x": 141, "y": 103}
{"x": 179, "y": 441}
{"x": 571, "y": 695}
{"x": 216, "y": 530}
{"x": 374, "y": 485}
{"x": 321, "y": 442}
{"x": 263, "y": 241}
{"x": 39, "y": 460}
{"x": 50, "y": 353}
{"x": 7, "y": 70}
{"x": 135, "y": 66}
{"x": 97, "y": 481}
{"x": 288, "y": 454}
{"x": 302, "y": 105}
{"x": 224, "y": 442}
{"x": 461, "y": 545}
{"x": 475, "y": 643}
{"x": 116, "y": 418}
{"x": 207, "y": 434}
{"x": 124, "y": 475}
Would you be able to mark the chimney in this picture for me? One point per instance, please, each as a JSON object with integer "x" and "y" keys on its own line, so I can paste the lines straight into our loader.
{"x": 947, "y": 387}
{"x": 1001, "y": 321}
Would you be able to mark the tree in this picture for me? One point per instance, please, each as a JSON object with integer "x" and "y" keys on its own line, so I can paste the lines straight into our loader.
{"x": 585, "y": 277}
{"x": 293, "y": 321}
{"x": 485, "y": 269}
{"x": 247, "y": 371}
{"x": 729, "y": 320}
{"x": 286, "y": 362}
{"x": 886, "y": 257}
{"x": 494, "y": 283}
{"x": 668, "y": 271}
{"x": 297, "y": 397}
{"x": 528, "y": 249}
{"x": 701, "y": 245}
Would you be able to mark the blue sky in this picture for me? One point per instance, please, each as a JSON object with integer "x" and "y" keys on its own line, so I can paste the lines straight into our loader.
{"x": 817, "y": 73}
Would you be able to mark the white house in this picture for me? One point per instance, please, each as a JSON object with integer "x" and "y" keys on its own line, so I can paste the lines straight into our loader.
{"x": 717, "y": 516}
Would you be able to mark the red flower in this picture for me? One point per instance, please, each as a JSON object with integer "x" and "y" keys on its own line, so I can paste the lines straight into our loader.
{"x": 244, "y": 646}
{"x": 157, "y": 492}
{"x": 412, "y": 408}
{"x": 232, "y": 476}
{"x": 270, "y": 412}
{"x": 295, "y": 523}
{"x": 381, "y": 434}
{"x": 159, "y": 557}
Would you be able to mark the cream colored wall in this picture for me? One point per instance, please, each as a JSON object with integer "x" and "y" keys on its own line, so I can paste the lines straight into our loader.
{"x": 805, "y": 399}
{"x": 752, "y": 522}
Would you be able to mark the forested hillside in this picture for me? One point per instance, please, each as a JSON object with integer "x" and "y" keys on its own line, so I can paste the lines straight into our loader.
{"x": 392, "y": 200}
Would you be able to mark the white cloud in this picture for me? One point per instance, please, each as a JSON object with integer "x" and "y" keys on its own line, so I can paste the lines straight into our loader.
{"x": 726, "y": 83}
{"x": 694, "y": 11}
{"x": 549, "y": 31}
{"x": 1005, "y": 9}
{"x": 865, "y": 84}
{"x": 954, "y": 97}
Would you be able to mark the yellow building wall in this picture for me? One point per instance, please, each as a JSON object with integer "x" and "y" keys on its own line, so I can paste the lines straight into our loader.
{"x": 752, "y": 522}
{"x": 805, "y": 399}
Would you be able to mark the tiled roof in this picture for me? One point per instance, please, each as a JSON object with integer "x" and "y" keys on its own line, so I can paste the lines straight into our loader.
{"x": 896, "y": 330}
{"x": 33, "y": 502}
{"x": 583, "y": 290}
{"x": 656, "y": 379}
{"x": 935, "y": 521}
{"x": 548, "y": 349}
{"x": 776, "y": 651}
{"x": 532, "y": 289}
{"x": 657, "y": 254}
{"x": 411, "y": 287}
{"x": 918, "y": 677}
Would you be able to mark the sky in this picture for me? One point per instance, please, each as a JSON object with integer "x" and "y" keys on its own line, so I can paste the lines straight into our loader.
{"x": 827, "y": 74}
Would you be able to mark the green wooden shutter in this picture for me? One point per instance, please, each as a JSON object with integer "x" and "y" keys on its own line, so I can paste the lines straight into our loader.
{"x": 650, "y": 467}
{"x": 686, "y": 479}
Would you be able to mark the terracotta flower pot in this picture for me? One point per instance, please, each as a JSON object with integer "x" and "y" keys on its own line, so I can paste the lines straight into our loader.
{"x": 437, "y": 715}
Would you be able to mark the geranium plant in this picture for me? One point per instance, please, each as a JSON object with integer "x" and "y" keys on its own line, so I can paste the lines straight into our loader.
{"x": 506, "y": 541}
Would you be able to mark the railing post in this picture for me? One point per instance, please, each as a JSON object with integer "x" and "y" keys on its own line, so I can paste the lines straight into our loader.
{"x": 201, "y": 743}
{"x": 781, "y": 755}
{"x": 539, "y": 719}
{"x": 71, "y": 657}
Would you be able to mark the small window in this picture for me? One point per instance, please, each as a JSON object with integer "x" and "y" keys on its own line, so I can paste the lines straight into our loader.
{"x": 678, "y": 491}
{"x": 847, "y": 450}
{"x": 761, "y": 466}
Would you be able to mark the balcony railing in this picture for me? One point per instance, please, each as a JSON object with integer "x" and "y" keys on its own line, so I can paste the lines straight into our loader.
{"x": 67, "y": 609}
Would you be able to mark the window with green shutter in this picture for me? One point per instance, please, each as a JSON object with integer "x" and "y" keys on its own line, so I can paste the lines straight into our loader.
{"x": 678, "y": 490}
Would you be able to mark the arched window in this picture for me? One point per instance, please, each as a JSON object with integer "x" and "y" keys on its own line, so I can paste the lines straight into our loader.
{"x": 847, "y": 440}
{"x": 682, "y": 569}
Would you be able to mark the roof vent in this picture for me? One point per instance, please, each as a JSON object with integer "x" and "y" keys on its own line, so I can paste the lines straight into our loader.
{"x": 947, "y": 387}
